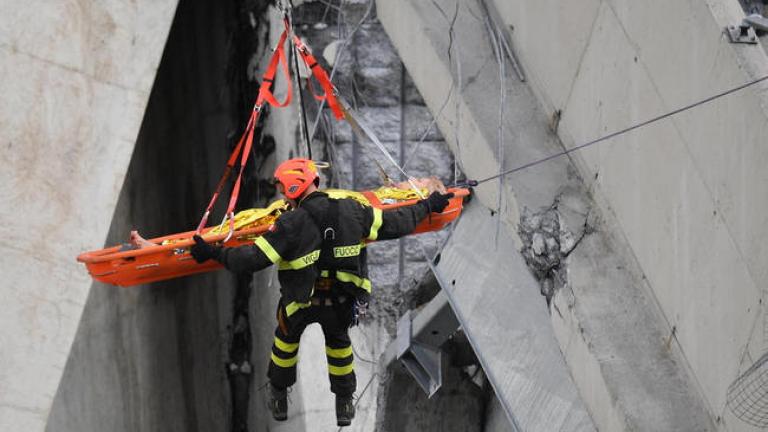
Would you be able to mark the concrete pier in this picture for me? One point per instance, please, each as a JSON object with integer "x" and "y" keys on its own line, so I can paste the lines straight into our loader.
{"x": 75, "y": 79}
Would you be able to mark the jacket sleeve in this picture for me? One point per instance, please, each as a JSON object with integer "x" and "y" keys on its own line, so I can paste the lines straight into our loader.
{"x": 248, "y": 258}
{"x": 396, "y": 223}
{"x": 267, "y": 249}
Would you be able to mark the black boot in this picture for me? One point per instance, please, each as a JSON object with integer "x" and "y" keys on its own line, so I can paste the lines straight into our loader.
{"x": 345, "y": 410}
{"x": 278, "y": 403}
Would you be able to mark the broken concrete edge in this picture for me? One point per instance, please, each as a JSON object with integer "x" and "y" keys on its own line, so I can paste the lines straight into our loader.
{"x": 574, "y": 340}
{"x": 584, "y": 346}
{"x": 495, "y": 298}
{"x": 444, "y": 314}
{"x": 432, "y": 324}
{"x": 551, "y": 234}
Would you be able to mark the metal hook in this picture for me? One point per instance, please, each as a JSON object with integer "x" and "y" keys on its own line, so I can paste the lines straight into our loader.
{"x": 231, "y": 227}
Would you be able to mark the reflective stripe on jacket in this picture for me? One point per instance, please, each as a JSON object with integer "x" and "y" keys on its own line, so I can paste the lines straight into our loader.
{"x": 295, "y": 243}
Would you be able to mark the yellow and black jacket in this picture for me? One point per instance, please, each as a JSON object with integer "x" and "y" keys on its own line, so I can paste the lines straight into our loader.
{"x": 323, "y": 237}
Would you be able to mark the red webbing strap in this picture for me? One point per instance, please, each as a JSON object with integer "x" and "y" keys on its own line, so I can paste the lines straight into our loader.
{"x": 320, "y": 76}
{"x": 222, "y": 181}
{"x": 243, "y": 159}
{"x": 264, "y": 95}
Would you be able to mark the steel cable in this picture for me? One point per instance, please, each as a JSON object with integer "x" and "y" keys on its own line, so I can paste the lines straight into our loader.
{"x": 625, "y": 130}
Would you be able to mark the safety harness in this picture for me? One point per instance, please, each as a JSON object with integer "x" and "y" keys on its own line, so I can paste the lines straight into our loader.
{"x": 326, "y": 291}
{"x": 328, "y": 225}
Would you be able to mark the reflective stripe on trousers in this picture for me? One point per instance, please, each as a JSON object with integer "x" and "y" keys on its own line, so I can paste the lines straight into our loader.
{"x": 334, "y": 321}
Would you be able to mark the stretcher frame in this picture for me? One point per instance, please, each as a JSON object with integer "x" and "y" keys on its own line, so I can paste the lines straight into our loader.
{"x": 168, "y": 261}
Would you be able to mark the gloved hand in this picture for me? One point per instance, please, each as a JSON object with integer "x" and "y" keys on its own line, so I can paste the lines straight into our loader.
{"x": 437, "y": 202}
{"x": 202, "y": 251}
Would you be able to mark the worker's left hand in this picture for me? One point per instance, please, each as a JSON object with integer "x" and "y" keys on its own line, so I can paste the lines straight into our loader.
{"x": 437, "y": 202}
{"x": 202, "y": 251}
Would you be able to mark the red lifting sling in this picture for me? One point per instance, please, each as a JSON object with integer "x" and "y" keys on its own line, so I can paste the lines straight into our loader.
{"x": 243, "y": 147}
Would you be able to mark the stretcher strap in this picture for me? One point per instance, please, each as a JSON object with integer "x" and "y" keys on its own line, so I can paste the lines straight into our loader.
{"x": 321, "y": 76}
{"x": 243, "y": 159}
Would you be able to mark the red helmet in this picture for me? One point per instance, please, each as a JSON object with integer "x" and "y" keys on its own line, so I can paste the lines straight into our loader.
{"x": 296, "y": 175}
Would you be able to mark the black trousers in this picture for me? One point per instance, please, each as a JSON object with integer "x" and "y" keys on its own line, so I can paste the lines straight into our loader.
{"x": 334, "y": 318}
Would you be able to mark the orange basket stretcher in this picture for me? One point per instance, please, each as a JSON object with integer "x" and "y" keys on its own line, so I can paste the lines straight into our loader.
{"x": 172, "y": 259}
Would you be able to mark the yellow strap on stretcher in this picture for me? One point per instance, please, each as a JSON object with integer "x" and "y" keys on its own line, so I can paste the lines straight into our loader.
{"x": 383, "y": 193}
{"x": 390, "y": 193}
{"x": 254, "y": 217}
{"x": 343, "y": 193}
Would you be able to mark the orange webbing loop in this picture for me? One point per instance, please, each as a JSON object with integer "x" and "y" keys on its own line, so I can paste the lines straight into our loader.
{"x": 265, "y": 93}
{"x": 311, "y": 88}
{"x": 321, "y": 76}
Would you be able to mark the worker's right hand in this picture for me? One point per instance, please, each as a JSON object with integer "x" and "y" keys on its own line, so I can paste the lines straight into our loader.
{"x": 202, "y": 251}
{"x": 437, "y": 202}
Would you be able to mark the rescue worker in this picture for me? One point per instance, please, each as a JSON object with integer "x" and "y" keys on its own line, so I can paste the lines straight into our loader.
{"x": 319, "y": 248}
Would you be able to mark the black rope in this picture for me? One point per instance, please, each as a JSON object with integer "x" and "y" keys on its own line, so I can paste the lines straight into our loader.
{"x": 621, "y": 132}
{"x": 303, "y": 125}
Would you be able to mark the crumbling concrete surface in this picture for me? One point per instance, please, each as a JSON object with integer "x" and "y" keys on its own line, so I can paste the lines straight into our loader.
{"x": 550, "y": 235}
{"x": 495, "y": 300}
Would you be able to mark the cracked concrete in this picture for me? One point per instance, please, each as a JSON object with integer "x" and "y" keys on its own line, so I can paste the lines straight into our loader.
{"x": 549, "y": 236}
